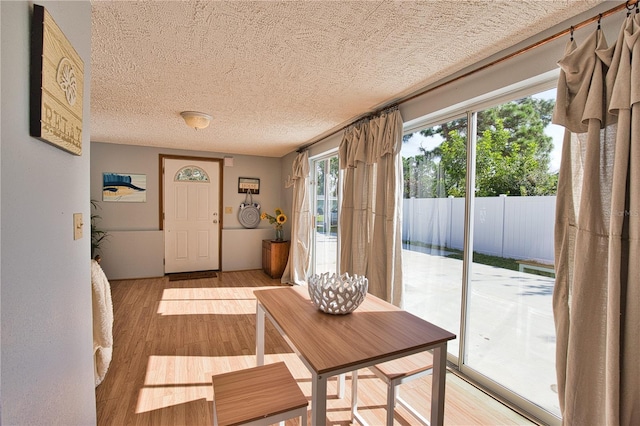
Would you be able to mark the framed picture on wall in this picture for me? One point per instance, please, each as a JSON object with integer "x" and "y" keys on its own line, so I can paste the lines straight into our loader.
{"x": 124, "y": 187}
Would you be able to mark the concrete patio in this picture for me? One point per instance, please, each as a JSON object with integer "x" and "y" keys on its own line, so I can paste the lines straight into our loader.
{"x": 510, "y": 328}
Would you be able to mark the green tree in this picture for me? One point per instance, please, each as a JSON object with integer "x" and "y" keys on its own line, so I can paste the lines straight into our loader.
{"x": 512, "y": 153}
{"x": 327, "y": 172}
{"x": 423, "y": 174}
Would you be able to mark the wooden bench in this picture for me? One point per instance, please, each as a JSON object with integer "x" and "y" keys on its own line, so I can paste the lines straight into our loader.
{"x": 536, "y": 266}
{"x": 261, "y": 395}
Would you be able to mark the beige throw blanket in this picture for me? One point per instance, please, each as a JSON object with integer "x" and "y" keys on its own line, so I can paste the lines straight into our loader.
{"x": 102, "y": 322}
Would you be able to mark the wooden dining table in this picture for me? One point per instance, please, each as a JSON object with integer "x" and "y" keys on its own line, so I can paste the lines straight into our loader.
{"x": 330, "y": 345}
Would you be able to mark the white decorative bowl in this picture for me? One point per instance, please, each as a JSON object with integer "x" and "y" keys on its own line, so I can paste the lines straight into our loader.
{"x": 337, "y": 294}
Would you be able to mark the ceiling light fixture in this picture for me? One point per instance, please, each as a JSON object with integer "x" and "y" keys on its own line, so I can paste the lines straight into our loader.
{"x": 197, "y": 120}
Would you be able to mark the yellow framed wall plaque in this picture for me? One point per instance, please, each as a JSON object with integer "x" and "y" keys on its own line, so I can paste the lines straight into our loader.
{"x": 57, "y": 85}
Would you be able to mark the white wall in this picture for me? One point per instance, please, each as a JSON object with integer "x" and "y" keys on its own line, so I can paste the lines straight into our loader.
{"x": 128, "y": 223}
{"x": 45, "y": 285}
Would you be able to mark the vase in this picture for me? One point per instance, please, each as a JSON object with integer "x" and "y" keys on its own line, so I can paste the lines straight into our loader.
{"x": 279, "y": 234}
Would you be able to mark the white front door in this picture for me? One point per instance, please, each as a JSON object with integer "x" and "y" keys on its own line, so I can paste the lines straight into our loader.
{"x": 191, "y": 215}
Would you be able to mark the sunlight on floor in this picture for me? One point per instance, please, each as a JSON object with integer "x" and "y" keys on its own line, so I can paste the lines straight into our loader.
{"x": 208, "y": 301}
{"x": 191, "y": 377}
{"x": 206, "y": 307}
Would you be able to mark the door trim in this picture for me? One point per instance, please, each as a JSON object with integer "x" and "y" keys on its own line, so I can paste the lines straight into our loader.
{"x": 220, "y": 162}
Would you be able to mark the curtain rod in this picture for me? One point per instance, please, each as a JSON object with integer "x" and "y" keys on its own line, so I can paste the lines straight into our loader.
{"x": 627, "y": 5}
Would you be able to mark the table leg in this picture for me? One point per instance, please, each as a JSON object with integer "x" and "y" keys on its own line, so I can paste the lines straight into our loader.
{"x": 259, "y": 334}
{"x": 340, "y": 385}
{"x": 438, "y": 384}
{"x": 318, "y": 399}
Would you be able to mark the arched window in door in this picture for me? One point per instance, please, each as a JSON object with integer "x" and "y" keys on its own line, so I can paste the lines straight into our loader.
{"x": 191, "y": 174}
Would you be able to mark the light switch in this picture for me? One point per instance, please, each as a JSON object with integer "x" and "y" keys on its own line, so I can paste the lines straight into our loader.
{"x": 77, "y": 226}
{"x": 228, "y": 210}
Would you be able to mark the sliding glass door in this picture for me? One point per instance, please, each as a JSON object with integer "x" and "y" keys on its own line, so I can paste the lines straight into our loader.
{"x": 478, "y": 243}
{"x": 510, "y": 334}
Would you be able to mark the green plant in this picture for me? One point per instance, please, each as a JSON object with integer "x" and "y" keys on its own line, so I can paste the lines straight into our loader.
{"x": 98, "y": 236}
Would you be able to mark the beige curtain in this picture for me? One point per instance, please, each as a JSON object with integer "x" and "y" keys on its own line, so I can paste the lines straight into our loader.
{"x": 370, "y": 216}
{"x": 301, "y": 223}
{"x": 596, "y": 299}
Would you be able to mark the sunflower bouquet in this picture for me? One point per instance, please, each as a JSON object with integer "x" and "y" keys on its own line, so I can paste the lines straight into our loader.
{"x": 278, "y": 220}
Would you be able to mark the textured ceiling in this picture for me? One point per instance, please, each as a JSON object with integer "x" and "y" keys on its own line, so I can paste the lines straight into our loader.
{"x": 276, "y": 75}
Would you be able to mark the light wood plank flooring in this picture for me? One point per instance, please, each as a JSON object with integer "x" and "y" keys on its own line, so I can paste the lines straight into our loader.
{"x": 171, "y": 337}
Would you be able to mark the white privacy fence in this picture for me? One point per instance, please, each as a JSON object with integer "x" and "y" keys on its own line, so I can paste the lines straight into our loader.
{"x": 512, "y": 227}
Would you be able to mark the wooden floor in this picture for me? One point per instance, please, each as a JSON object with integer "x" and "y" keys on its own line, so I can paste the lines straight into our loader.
{"x": 171, "y": 337}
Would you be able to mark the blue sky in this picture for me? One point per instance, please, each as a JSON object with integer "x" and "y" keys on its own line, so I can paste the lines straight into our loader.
{"x": 411, "y": 147}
